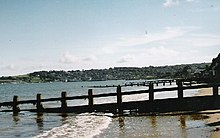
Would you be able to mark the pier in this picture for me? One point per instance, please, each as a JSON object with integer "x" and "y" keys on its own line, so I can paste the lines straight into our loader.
{"x": 151, "y": 105}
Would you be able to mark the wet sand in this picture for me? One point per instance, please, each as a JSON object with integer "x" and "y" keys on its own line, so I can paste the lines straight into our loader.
{"x": 214, "y": 116}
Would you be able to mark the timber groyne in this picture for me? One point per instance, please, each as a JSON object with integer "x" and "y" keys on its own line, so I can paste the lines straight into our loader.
{"x": 151, "y": 105}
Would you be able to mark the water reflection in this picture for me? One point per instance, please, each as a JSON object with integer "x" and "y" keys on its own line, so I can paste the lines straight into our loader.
{"x": 154, "y": 127}
{"x": 39, "y": 121}
{"x": 64, "y": 118}
{"x": 153, "y": 121}
{"x": 64, "y": 115}
{"x": 182, "y": 119}
{"x": 16, "y": 119}
{"x": 121, "y": 122}
{"x": 157, "y": 126}
{"x": 198, "y": 117}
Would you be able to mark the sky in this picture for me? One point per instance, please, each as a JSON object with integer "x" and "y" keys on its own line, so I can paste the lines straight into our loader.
{"x": 98, "y": 34}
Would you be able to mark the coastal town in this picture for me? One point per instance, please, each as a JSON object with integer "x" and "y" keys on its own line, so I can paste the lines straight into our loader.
{"x": 116, "y": 73}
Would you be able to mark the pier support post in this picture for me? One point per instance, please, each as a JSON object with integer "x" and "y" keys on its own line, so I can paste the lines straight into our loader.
{"x": 39, "y": 104}
{"x": 90, "y": 97}
{"x": 15, "y": 105}
{"x": 164, "y": 83}
{"x": 180, "y": 89}
{"x": 215, "y": 90}
{"x": 63, "y": 102}
{"x": 151, "y": 92}
{"x": 119, "y": 99}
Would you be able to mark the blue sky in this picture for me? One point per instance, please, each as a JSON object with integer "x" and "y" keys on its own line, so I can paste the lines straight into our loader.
{"x": 97, "y": 34}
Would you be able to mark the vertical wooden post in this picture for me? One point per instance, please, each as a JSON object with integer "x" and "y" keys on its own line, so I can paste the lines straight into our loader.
{"x": 180, "y": 89}
{"x": 63, "y": 102}
{"x": 119, "y": 100}
{"x": 15, "y": 105}
{"x": 215, "y": 90}
{"x": 151, "y": 92}
{"x": 90, "y": 97}
{"x": 39, "y": 104}
{"x": 164, "y": 83}
{"x": 170, "y": 82}
{"x": 119, "y": 97}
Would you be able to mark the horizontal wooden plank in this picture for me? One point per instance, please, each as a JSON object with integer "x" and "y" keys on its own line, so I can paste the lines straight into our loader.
{"x": 194, "y": 104}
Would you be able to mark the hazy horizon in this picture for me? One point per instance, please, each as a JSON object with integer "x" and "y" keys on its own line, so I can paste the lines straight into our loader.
{"x": 83, "y": 34}
{"x": 103, "y": 68}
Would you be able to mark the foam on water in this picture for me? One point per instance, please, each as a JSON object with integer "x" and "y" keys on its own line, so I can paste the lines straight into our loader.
{"x": 84, "y": 125}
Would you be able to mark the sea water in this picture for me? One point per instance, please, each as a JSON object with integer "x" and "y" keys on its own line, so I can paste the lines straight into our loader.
{"x": 88, "y": 125}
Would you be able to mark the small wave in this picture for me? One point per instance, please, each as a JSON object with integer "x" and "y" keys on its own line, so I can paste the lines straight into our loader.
{"x": 84, "y": 125}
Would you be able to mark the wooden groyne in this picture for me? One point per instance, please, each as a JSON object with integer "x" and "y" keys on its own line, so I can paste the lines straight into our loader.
{"x": 142, "y": 83}
{"x": 181, "y": 103}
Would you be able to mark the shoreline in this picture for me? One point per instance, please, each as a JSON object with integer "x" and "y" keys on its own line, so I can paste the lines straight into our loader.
{"x": 213, "y": 119}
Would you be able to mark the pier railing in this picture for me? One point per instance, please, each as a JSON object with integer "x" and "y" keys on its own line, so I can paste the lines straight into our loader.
{"x": 149, "y": 105}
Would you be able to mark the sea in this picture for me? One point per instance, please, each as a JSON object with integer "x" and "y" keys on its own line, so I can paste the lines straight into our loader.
{"x": 93, "y": 125}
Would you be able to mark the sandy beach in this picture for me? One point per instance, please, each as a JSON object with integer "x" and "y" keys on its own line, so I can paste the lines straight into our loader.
{"x": 214, "y": 115}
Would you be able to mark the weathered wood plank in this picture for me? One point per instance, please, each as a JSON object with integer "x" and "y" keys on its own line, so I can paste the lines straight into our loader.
{"x": 194, "y": 104}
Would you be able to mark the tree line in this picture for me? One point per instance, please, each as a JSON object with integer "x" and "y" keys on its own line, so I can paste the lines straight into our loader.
{"x": 184, "y": 71}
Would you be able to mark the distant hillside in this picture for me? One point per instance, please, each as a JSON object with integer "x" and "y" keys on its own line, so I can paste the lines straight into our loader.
{"x": 184, "y": 71}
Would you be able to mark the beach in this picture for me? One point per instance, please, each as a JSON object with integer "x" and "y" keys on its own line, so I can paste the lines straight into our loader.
{"x": 213, "y": 115}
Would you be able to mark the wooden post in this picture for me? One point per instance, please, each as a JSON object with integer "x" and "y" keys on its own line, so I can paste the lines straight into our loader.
{"x": 63, "y": 102}
{"x": 164, "y": 83}
{"x": 15, "y": 105}
{"x": 119, "y": 100}
{"x": 151, "y": 92}
{"x": 39, "y": 104}
{"x": 215, "y": 90}
{"x": 180, "y": 89}
{"x": 90, "y": 97}
{"x": 170, "y": 82}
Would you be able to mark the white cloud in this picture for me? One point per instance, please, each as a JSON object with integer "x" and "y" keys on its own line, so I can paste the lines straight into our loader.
{"x": 68, "y": 58}
{"x": 206, "y": 9}
{"x": 9, "y": 67}
{"x": 170, "y": 3}
{"x": 205, "y": 41}
{"x": 169, "y": 33}
{"x": 126, "y": 58}
{"x": 108, "y": 48}
{"x": 151, "y": 56}
{"x": 159, "y": 55}
{"x": 198, "y": 41}
{"x": 90, "y": 58}
{"x": 161, "y": 52}
{"x": 191, "y": 0}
